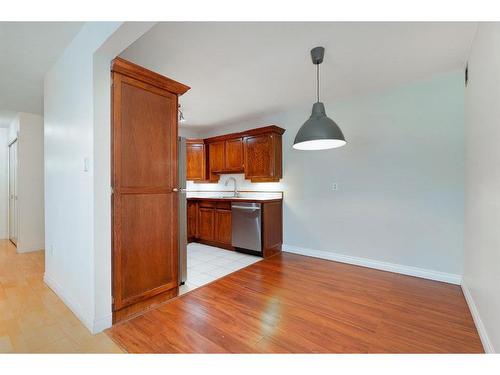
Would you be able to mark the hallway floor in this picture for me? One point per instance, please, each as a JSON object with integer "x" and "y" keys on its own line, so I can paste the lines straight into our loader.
{"x": 32, "y": 318}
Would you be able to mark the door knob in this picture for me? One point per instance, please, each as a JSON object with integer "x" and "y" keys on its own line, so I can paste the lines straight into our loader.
{"x": 175, "y": 190}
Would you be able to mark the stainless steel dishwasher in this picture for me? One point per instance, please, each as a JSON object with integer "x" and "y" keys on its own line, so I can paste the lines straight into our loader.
{"x": 247, "y": 225}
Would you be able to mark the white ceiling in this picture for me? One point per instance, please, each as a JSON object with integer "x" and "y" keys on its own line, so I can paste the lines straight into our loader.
{"x": 27, "y": 51}
{"x": 238, "y": 71}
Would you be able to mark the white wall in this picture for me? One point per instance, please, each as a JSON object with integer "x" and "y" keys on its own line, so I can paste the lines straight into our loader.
{"x": 30, "y": 189}
{"x": 401, "y": 176}
{"x": 482, "y": 184}
{"x": 28, "y": 129}
{"x": 4, "y": 183}
{"x": 68, "y": 109}
{"x": 77, "y": 108}
{"x": 114, "y": 45}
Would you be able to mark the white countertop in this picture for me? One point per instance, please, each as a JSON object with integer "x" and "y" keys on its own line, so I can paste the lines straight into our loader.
{"x": 244, "y": 195}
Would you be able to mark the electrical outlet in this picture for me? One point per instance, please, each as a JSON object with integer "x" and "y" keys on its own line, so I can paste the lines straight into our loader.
{"x": 335, "y": 186}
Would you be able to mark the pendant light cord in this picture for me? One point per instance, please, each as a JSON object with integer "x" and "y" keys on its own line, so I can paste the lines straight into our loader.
{"x": 317, "y": 83}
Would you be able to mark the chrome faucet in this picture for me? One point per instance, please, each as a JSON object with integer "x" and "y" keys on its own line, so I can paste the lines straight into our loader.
{"x": 236, "y": 193}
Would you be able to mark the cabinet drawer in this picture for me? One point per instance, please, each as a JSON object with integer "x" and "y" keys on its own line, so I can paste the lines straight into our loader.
{"x": 223, "y": 205}
{"x": 207, "y": 204}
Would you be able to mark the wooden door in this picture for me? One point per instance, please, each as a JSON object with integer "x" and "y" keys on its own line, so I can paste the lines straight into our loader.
{"x": 206, "y": 223}
{"x": 195, "y": 161}
{"x": 234, "y": 155}
{"x": 144, "y": 179}
{"x": 223, "y": 228}
{"x": 216, "y": 159}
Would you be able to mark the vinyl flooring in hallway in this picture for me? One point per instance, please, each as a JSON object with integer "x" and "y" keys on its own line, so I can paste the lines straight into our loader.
{"x": 32, "y": 318}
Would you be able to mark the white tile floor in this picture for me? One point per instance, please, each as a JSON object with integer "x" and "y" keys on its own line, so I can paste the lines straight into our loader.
{"x": 207, "y": 263}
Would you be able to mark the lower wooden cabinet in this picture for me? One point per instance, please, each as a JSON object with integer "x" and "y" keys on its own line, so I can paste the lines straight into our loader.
{"x": 223, "y": 228}
{"x": 210, "y": 222}
{"x": 192, "y": 220}
{"x": 206, "y": 223}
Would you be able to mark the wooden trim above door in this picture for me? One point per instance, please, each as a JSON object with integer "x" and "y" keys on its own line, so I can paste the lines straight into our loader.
{"x": 135, "y": 71}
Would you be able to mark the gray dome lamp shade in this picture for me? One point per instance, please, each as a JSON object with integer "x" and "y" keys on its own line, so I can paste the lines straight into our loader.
{"x": 319, "y": 132}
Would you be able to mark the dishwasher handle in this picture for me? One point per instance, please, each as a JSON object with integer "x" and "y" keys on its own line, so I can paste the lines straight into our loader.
{"x": 246, "y": 208}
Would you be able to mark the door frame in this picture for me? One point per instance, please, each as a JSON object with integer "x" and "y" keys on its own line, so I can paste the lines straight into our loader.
{"x": 16, "y": 207}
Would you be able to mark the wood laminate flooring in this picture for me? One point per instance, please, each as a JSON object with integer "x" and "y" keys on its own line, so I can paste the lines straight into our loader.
{"x": 32, "y": 317}
{"x": 296, "y": 304}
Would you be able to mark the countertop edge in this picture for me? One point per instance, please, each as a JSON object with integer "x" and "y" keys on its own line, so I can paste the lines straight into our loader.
{"x": 235, "y": 199}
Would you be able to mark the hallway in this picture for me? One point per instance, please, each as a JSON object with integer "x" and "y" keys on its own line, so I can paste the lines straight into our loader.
{"x": 32, "y": 318}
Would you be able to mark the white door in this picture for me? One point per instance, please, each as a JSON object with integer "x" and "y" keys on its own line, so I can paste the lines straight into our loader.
{"x": 13, "y": 192}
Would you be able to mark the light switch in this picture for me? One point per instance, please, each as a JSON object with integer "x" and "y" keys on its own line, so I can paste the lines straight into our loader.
{"x": 86, "y": 164}
{"x": 335, "y": 186}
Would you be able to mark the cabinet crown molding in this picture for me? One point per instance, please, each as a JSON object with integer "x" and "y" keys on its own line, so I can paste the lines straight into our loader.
{"x": 132, "y": 70}
{"x": 247, "y": 133}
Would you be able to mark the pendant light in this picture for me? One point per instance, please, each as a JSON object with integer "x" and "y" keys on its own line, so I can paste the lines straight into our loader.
{"x": 319, "y": 132}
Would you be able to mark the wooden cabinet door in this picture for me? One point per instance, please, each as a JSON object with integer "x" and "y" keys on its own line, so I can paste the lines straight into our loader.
{"x": 206, "y": 223}
{"x": 145, "y": 216}
{"x": 192, "y": 220}
{"x": 195, "y": 161}
{"x": 259, "y": 160}
{"x": 216, "y": 159}
{"x": 234, "y": 155}
{"x": 223, "y": 227}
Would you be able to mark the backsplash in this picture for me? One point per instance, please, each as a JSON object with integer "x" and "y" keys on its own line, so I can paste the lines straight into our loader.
{"x": 243, "y": 185}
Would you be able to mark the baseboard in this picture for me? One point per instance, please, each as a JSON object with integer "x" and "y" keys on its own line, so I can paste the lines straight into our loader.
{"x": 379, "y": 265}
{"x": 74, "y": 306}
{"x": 22, "y": 251}
{"x": 481, "y": 329}
{"x": 100, "y": 324}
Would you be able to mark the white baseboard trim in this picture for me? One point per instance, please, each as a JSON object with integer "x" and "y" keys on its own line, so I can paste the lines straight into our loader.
{"x": 481, "y": 329}
{"x": 379, "y": 265}
{"x": 100, "y": 324}
{"x": 73, "y": 305}
{"x": 23, "y": 250}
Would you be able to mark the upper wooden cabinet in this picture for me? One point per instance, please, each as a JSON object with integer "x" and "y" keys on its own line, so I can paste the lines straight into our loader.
{"x": 263, "y": 158}
{"x": 225, "y": 156}
{"x": 216, "y": 155}
{"x": 234, "y": 155}
{"x": 196, "y": 161}
{"x": 255, "y": 152}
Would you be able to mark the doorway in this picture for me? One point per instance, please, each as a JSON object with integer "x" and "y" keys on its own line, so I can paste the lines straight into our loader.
{"x": 13, "y": 213}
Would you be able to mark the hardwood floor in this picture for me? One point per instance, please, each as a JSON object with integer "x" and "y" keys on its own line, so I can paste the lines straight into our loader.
{"x": 295, "y": 304}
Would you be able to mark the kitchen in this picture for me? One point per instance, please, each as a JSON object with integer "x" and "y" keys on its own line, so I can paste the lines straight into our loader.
{"x": 169, "y": 236}
{"x": 244, "y": 221}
